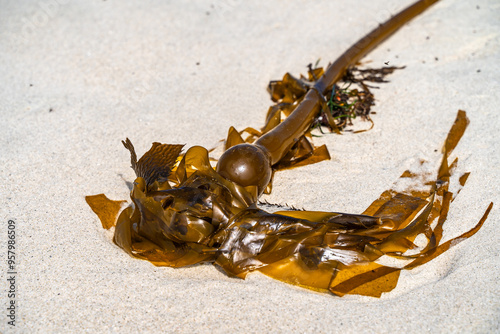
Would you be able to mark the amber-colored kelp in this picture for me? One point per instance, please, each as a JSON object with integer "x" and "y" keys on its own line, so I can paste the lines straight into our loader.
{"x": 184, "y": 211}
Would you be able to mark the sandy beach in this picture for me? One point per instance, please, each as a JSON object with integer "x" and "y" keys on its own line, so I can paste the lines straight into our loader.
{"x": 77, "y": 77}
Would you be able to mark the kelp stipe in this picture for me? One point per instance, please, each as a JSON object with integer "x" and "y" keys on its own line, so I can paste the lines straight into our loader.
{"x": 184, "y": 212}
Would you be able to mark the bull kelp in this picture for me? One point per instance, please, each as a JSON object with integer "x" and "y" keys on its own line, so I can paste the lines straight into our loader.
{"x": 184, "y": 211}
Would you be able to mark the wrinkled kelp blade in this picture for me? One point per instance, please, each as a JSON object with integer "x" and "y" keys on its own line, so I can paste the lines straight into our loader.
{"x": 156, "y": 164}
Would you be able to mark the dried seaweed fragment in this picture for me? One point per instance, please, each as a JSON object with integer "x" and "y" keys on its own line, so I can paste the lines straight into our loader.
{"x": 187, "y": 213}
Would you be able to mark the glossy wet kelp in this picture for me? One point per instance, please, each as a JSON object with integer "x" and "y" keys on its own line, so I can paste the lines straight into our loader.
{"x": 198, "y": 216}
{"x": 184, "y": 211}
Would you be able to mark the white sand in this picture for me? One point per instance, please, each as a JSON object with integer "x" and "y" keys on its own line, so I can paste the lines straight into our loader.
{"x": 79, "y": 76}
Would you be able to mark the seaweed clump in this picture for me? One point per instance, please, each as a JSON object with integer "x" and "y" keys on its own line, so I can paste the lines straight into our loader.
{"x": 195, "y": 215}
{"x": 184, "y": 211}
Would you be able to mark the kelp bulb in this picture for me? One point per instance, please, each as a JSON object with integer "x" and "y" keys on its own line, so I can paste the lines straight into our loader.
{"x": 247, "y": 165}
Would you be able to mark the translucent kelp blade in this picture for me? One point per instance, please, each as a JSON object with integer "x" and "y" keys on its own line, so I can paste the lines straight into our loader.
{"x": 292, "y": 270}
{"x": 400, "y": 209}
{"x": 314, "y": 74}
{"x": 435, "y": 252}
{"x": 317, "y": 155}
{"x": 155, "y": 164}
{"x": 456, "y": 131}
{"x": 375, "y": 206}
{"x": 316, "y": 216}
{"x": 252, "y": 132}
{"x": 233, "y": 138}
{"x": 106, "y": 209}
{"x": 273, "y": 120}
{"x": 288, "y": 89}
{"x": 370, "y": 279}
{"x": 402, "y": 240}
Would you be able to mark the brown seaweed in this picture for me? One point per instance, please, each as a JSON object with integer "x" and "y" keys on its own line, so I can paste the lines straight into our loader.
{"x": 185, "y": 212}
